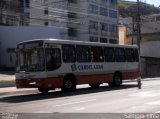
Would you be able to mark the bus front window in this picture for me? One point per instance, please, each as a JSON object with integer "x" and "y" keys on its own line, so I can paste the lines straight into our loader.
{"x": 31, "y": 60}
{"x": 53, "y": 59}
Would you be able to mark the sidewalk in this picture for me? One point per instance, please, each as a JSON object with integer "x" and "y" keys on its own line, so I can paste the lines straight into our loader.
{"x": 7, "y": 79}
{"x": 14, "y": 90}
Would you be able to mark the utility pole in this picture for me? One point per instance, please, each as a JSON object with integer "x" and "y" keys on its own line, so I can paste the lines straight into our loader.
{"x": 138, "y": 25}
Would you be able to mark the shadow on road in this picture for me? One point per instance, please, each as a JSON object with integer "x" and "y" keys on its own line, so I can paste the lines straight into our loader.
{"x": 58, "y": 94}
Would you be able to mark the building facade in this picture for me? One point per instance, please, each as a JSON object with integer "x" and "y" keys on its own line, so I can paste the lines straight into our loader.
{"x": 150, "y": 42}
{"x": 14, "y": 12}
{"x": 87, "y": 20}
{"x": 81, "y": 20}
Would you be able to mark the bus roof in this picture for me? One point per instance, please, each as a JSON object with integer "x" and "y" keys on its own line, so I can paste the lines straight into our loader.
{"x": 60, "y": 41}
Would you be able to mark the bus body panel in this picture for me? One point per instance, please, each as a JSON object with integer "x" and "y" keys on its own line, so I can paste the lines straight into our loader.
{"x": 85, "y": 73}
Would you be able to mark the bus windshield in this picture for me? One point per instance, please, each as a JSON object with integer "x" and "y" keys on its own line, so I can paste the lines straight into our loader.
{"x": 31, "y": 60}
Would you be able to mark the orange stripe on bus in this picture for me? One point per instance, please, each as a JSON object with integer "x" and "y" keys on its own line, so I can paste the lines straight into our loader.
{"x": 57, "y": 82}
{"x": 91, "y": 79}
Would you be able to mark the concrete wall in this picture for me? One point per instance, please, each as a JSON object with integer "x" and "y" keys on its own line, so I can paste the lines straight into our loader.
{"x": 10, "y": 36}
{"x": 122, "y": 35}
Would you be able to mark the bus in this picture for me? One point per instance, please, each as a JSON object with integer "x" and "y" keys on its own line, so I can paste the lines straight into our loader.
{"x": 47, "y": 64}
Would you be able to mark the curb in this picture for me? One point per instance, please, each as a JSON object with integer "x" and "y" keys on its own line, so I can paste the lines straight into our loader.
{"x": 19, "y": 91}
{"x": 7, "y": 84}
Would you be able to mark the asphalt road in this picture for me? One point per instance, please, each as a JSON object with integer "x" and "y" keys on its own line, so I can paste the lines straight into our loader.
{"x": 124, "y": 99}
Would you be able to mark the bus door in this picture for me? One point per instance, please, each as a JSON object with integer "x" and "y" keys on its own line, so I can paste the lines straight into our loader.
{"x": 53, "y": 58}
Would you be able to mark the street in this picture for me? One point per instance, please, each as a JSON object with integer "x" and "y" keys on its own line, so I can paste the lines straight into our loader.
{"x": 124, "y": 99}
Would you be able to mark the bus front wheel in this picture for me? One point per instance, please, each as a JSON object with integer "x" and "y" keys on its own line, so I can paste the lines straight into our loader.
{"x": 69, "y": 84}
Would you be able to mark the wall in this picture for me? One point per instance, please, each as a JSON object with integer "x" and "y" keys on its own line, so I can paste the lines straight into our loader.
{"x": 10, "y": 36}
{"x": 122, "y": 35}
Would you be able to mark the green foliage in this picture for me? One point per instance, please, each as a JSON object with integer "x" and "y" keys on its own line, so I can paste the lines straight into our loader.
{"x": 127, "y": 8}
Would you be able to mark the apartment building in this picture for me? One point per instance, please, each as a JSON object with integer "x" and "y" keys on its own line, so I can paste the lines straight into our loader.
{"x": 81, "y": 20}
{"x": 87, "y": 20}
{"x": 14, "y": 12}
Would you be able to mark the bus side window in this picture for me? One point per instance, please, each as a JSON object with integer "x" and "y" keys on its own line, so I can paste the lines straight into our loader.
{"x": 129, "y": 55}
{"x": 68, "y": 52}
{"x": 120, "y": 55}
{"x": 109, "y": 54}
{"x": 83, "y": 53}
{"x": 136, "y": 55}
{"x": 53, "y": 59}
{"x": 97, "y": 54}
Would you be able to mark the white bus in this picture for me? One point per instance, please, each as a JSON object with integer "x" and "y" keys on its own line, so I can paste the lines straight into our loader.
{"x": 47, "y": 64}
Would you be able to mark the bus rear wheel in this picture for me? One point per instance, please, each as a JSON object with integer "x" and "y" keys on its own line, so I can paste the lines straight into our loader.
{"x": 117, "y": 80}
{"x": 94, "y": 85}
{"x": 69, "y": 84}
{"x": 43, "y": 90}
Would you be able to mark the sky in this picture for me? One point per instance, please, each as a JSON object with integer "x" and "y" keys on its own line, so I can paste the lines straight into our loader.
{"x": 152, "y": 2}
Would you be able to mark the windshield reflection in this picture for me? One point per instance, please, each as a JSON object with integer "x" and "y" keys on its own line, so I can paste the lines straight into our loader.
{"x": 31, "y": 60}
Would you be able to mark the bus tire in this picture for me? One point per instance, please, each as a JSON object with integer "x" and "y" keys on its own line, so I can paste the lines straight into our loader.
{"x": 43, "y": 90}
{"x": 94, "y": 85}
{"x": 69, "y": 84}
{"x": 117, "y": 80}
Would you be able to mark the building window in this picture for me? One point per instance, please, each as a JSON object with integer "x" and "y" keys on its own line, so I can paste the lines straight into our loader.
{"x": 113, "y": 14}
{"x": 104, "y": 27}
{"x": 113, "y": 2}
{"x": 93, "y": 25}
{"x": 72, "y": 1}
{"x": 113, "y": 28}
{"x": 105, "y": 1}
{"x": 10, "y": 50}
{"x": 113, "y": 41}
{"x": 103, "y": 40}
{"x": 103, "y": 11}
{"x": 46, "y": 23}
{"x": 46, "y": 11}
{"x": 93, "y": 9}
{"x": 72, "y": 15}
{"x": 72, "y": 32}
{"x": 93, "y": 39}
{"x": 27, "y": 3}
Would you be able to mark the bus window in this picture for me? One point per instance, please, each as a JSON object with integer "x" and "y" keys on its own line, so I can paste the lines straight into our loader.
{"x": 97, "y": 54}
{"x": 136, "y": 55}
{"x": 129, "y": 55}
{"x": 53, "y": 59}
{"x": 68, "y": 52}
{"x": 120, "y": 55}
{"x": 109, "y": 54}
{"x": 30, "y": 60}
{"x": 83, "y": 54}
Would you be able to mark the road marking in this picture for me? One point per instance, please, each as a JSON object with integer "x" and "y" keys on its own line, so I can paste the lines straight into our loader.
{"x": 79, "y": 109}
{"x": 157, "y": 112}
{"x": 146, "y": 94}
{"x": 154, "y": 103}
{"x": 75, "y": 103}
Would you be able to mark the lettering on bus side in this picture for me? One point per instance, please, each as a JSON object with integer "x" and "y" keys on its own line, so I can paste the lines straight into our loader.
{"x": 75, "y": 67}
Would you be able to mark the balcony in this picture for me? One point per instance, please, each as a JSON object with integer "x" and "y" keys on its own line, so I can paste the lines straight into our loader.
{"x": 104, "y": 33}
{"x": 111, "y": 34}
{"x": 93, "y": 31}
{"x": 73, "y": 24}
